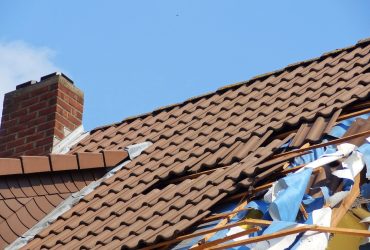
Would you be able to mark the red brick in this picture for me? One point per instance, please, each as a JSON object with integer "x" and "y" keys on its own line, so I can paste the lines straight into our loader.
{"x": 47, "y": 95}
{"x": 29, "y": 102}
{"x": 5, "y": 118}
{"x": 64, "y": 105}
{"x": 34, "y": 138}
{"x": 35, "y": 151}
{"x": 45, "y": 126}
{"x": 37, "y": 121}
{"x": 15, "y": 143}
{"x": 35, "y": 114}
{"x": 53, "y": 86}
{"x": 10, "y": 123}
{"x": 45, "y": 141}
{"x": 7, "y": 138}
{"x": 52, "y": 101}
{"x": 63, "y": 121}
{"x": 26, "y": 132}
{"x": 46, "y": 111}
{"x": 76, "y": 105}
{"x": 7, "y": 153}
{"x": 74, "y": 120}
{"x": 18, "y": 113}
{"x": 27, "y": 118}
{"x": 38, "y": 106}
{"x": 59, "y": 134}
{"x": 40, "y": 90}
{"x": 16, "y": 128}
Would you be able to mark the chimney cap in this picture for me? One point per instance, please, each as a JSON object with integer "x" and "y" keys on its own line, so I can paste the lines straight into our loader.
{"x": 26, "y": 84}
{"x": 56, "y": 74}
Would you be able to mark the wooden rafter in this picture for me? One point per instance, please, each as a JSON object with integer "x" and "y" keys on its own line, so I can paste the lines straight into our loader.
{"x": 341, "y": 210}
{"x": 192, "y": 235}
{"x": 320, "y": 145}
{"x": 300, "y": 229}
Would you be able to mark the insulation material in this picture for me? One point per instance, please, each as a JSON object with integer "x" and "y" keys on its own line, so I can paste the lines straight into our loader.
{"x": 341, "y": 241}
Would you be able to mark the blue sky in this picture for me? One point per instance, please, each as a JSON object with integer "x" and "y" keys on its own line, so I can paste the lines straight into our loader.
{"x": 130, "y": 57}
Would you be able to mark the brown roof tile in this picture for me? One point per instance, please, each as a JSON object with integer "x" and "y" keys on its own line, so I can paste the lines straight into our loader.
{"x": 90, "y": 160}
{"x": 35, "y": 164}
{"x": 230, "y": 130}
{"x": 55, "y": 162}
{"x": 10, "y": 166}
{"x": 63, "y": 162}
{"x": 32, "y": 186}
{"x": 25, "y": 199}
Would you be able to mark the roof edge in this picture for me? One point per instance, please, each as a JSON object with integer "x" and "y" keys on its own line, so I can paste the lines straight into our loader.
{"x": 292, "y": 66}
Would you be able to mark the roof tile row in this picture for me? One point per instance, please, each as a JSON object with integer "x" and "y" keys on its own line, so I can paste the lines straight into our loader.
{"x": 55, "y": 162}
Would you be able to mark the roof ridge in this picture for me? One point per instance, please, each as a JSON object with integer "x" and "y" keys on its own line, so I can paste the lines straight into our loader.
{"x": 291, "y": 66}
{"x": 61, "y": 162}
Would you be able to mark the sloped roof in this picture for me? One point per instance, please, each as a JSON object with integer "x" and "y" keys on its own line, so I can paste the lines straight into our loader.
{"x": 26, "y": 199}
{"x": 32, "y": 186}
{"x": 235, "y": 129}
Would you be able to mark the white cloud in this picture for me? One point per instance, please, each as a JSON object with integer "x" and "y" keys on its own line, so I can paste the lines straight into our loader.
{"x": 21, "y": 62}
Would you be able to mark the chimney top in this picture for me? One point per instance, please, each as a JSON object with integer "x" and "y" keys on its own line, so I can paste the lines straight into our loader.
{"x": 38, "y": 115}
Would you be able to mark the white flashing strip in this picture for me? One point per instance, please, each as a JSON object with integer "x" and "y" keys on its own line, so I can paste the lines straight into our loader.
{"x": 68, "y": 203}
{"x": 71, "y": 139}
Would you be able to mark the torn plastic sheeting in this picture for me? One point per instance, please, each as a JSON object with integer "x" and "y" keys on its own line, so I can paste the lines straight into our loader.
{"x": 344, "y": 150}
{"x": 72, "y": 200}
{"x": 365, "y": 192}
{"x": 315, "y": 240}
{"x": 286, "y": 195}
{"x": 352, "y": 166}
{"x": 340, "y": 129}
{"x": 307, "y": 158}
{"x": 311, "y": 204}
{"x": 365, "y": 150}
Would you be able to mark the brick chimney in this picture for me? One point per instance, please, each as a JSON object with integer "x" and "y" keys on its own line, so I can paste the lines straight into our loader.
{"x": 38, "y": 115}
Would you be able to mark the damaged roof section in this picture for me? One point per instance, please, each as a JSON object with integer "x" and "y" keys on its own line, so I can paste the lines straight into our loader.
{"x": 206, "y": 150}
